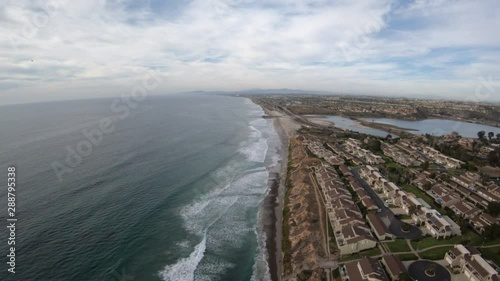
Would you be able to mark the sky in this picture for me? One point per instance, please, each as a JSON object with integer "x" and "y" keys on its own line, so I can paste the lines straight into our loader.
{"x": 62, "y": 49}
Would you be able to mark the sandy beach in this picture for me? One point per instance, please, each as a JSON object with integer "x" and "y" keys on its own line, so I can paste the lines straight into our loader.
{"x": 273, "y": 204}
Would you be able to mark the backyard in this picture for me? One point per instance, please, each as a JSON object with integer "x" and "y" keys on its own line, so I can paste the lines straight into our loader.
{"x": 435, "y": 254}
{"x": 469, "y": 238}
{"x": 492, "y": 254}
{"x": 399, "y": 245}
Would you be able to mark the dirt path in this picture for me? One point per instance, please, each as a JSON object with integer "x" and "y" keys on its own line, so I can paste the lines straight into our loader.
{"x": 322, "y": 217}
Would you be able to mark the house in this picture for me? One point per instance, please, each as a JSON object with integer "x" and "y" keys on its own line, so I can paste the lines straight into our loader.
{"x": 343, "y": 217}
{"x": 467, "y": 180}
{"x": 449, "y": 199}
{"x": 455, "y": 228}
{"x": 437, "y": 225}
{"x": 336, "y": 193}
{"x": 488, "y": 195}
{"x": 467, "y": 143}
{"x": 345, "y": 171}
{"x": 355, "y": 185}
{"x": 422, "y": 182}
{"x": 369, "y": 204}
{"x": 410, "y": 202}
{"x": 361, "y": 193}
{"x": 380, "y": 230}
{"x": 465, "y": 210}
{"x": 478, "y": 269}
{"x": 438, "y": 191}
{"x": 452, "y": 163}
{"x": 482, "y": 221}
{"x": 420, "y": 216}
{"x": 469, "y": 261}
{"x": 440, "y": 158}
{"x": 365, "y": 269}
{"x": 493, "y": 188}
{"x": 393, "y": 266}
{"x": 478, "y": 200}
{"x": 390, "y": 189}
{"x": 399, "y": 198}
{"x": 354, "y": 238}
{"x": 455, "y": 256}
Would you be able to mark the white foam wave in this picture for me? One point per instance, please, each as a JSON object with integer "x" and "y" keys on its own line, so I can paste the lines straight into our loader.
{"x": 261, "y": 266}
{"x": 211, "y": 269}
{"x": 255, "y": 148}
{"x": 225, "y": 215}
{"x": 184, "y": 269}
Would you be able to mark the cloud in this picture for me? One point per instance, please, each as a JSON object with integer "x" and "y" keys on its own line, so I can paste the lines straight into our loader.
{"x": 99, "y": 48}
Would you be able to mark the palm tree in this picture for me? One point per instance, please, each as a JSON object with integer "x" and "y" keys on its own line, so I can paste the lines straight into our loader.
{"x": 491, "y": 135}
{"x": 481, "y": 134}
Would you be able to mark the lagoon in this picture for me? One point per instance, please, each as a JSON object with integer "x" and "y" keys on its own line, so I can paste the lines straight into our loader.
{"x": 353, "y": 125}
{"x": 438, "y": 127}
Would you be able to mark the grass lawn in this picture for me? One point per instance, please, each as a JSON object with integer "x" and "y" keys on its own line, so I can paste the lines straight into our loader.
{"x": 367, "y": 253}
{"x": 435, "y": 254}
{"x": 404, "y": 217}
{"x": 474, "y": 240}
{"x": 407, "y": 257}
{"x": 399, "y": 245}
{"x": 491, "y": 254}
{"x": 492, "y": 242}
{"x": 394, "y": 165}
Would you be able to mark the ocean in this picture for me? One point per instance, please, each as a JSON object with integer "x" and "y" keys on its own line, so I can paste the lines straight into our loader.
{"x": 172, "y": 190}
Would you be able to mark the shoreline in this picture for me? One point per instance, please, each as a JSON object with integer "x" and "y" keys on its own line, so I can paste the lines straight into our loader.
{"x": 274, "y": 201}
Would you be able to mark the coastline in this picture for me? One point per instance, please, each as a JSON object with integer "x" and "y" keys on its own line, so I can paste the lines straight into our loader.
{"x": 274, "y": 201}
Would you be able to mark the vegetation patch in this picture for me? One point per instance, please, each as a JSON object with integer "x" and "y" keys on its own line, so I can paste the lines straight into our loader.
{"x": 435, "y": 254}
{"x": 407, "y": 257}
{"x": 469, "y": 238}
{"x": 285, "y": 228}
{"x": 304, "y": 275}
{"x": 399, "y": 245}
{"x": 367, "y": 253}
{"x": 492, "y": 254}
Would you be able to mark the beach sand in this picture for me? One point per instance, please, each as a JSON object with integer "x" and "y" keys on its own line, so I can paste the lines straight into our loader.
{"x": 273, "y": 204}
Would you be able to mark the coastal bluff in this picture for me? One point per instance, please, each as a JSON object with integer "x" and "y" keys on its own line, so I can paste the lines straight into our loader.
{"x": 302, "y": 246}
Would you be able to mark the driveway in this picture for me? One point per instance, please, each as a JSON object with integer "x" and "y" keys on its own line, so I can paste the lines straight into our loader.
{"x": 417, "y": 271}
{"x": 394, "y": 223}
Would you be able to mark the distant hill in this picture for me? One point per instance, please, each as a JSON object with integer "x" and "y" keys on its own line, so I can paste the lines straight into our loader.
{"x": 286, "y": 91}
{"x": 283, "y": 91}
{"x": 264, "y": 92}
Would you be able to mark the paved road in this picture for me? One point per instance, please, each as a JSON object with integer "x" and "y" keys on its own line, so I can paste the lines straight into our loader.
{"x": 489, "y": 246}
{"x": 395, "y": 223}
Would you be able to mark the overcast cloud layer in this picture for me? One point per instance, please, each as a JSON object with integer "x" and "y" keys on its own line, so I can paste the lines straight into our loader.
{"x": 61, "y": 49}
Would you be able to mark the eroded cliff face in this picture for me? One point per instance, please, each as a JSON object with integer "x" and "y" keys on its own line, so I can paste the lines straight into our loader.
{"x": 301, "y": 224}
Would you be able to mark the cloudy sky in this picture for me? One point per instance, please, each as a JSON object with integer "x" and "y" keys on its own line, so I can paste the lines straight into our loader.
{"x": 61, "y": 49}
